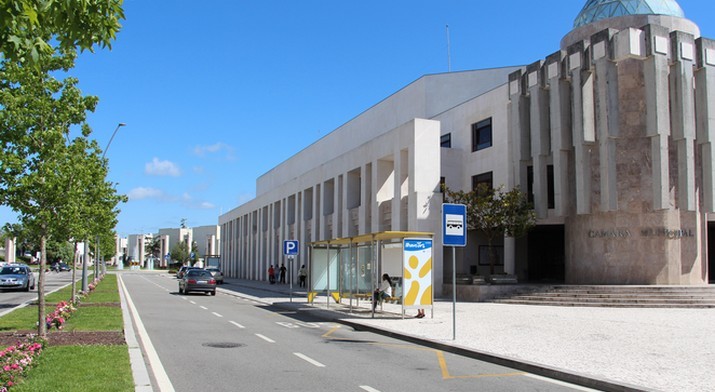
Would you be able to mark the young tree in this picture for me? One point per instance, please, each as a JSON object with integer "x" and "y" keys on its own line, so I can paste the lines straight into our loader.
{"x": 495, "y": 213}
{"x": 180, "y": 252}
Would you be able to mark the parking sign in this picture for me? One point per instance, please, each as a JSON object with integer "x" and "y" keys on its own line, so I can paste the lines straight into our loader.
{"x": 290, "y": 248}
{"x": 454, "y": 224}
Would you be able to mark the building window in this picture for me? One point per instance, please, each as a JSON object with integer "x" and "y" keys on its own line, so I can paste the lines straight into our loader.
{"x": 482, "y": 135}
{"x": 442, "y": 184}
{"x": 484, "y": 179}
{"x": 550, "y": 186}
{"x": 530, "y": 184}
{"x": 446, "y": 140}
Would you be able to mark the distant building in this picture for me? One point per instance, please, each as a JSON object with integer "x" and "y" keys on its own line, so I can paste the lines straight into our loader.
{"x": 611, "y": 137}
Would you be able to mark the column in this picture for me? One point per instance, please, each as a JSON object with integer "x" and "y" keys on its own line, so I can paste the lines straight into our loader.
{"x": 560, "y": 121}
{"x": 539, "y": 134}
{"x": 705, "y": 122}
{"x": 583, "y": 124}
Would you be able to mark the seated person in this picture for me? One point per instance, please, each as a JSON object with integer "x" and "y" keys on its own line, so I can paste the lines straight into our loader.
{"x": 384, "y": 291}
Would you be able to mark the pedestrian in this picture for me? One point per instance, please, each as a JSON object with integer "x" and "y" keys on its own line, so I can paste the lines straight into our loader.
{"x": 271, "y": 274}
{"x": 283, "y": 273}
{"x": 382, "y": 292}
{"x": 276, "y": 276}
{"x": 302, "y": 274}
{"x": 420, "y": 313}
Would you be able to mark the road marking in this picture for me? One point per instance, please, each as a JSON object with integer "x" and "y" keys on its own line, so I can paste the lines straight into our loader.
{"x": 162, "y": 379}
{"x": 184, "y": 298}
{"x": 237, "y": 324}
{"x": 562, "y": 383}
{"x": 203, "y": 307}
{"x": 216, "y": 314}
{"x": 307, "y": 359}
{"x": 269, "y": 340}
{"x": 192, "y": 302}
{"x": 286, "y": 324}
{"x": 368, "y": 388}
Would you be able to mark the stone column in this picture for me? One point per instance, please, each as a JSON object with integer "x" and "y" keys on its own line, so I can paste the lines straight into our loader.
{"x": 655, "y": 73}
{"x": 519, "y": 144}
{"x": 705, "y": 122}
{"x": 682, "y": 111}
{"x": 583, "y": 132}
{"x": 607, "y": 126}
{"x": 539, "y": 134}
{"x": 560, "y": 121}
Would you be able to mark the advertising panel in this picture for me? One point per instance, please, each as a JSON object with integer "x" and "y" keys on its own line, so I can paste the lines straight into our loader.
{"x": 417, "y": 273}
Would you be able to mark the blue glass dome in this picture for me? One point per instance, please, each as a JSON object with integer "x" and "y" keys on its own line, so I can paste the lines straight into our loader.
{"x": 595, "y": 10}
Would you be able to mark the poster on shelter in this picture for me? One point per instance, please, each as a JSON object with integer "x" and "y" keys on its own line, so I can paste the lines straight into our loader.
{"x": 417, "y": 273}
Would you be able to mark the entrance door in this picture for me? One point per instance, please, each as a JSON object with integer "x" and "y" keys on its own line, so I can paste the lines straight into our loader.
{"x": 711, "y": 251}
{"x": 546, "y": 254}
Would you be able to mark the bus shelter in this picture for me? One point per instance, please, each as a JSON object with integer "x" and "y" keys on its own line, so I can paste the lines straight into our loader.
{"x": 350, "y": 269}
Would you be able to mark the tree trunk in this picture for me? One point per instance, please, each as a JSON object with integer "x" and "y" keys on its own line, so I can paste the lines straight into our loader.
{"x": 41, "y": 326}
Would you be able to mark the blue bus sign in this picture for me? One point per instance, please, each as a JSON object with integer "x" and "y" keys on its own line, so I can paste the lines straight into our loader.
{"x": 454, "y": 224}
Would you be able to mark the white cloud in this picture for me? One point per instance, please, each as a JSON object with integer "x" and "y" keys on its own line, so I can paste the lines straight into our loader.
{"x": 214, "y": 149}
{"x": 145, "y": 193}
{"x": 162, "y": 168}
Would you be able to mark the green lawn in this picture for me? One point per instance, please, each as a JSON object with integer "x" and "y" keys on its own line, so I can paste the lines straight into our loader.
{"x": 20, "y": 319}
{"x": 95, "y": 318}
{"x": 80, "y": 368}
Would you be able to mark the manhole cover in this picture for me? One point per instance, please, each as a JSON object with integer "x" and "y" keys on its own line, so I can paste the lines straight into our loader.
{"x": 223, "y": 345}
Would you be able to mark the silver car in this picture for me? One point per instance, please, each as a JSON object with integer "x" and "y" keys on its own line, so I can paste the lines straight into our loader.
{"x": 17, "y": 276}
{"x": 197, "y": 280}
{"x": 217, "y": 274}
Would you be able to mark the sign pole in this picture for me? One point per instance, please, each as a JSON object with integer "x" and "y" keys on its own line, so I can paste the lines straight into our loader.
{"x": 454, "y": 293}
{"x": 454, "y": 234}
{"x": 290, "y": 276}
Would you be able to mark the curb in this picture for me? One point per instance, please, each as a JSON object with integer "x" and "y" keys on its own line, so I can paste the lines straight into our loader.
{"x": 142, "y": 381}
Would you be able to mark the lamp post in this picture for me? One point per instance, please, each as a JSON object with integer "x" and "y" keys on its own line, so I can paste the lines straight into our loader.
{"x": 86, "y": 248}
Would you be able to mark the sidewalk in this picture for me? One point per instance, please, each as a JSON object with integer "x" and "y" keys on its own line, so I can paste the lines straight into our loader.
{"x": 602, "y": 348}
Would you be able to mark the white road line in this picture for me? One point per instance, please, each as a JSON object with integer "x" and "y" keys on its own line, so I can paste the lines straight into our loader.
{"x": 184, "y": 298}
{"x": 368, "y": 388}
{"x": 269, "y": 340}
{"x": 216, "y": 314}
{"x": 162, "y": 379}
{"x": 307, "y": 359}
{"x": 192, "y": 302}
{"x": 203, "y": 307}
{"x": 237, "y": 324}
{"x": 562, "y": 383}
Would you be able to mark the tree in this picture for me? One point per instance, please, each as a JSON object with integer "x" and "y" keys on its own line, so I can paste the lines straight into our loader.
{"x": 50, "y": 179}
{"x": 495, "y": 213}
{"x": 32, "y": 29}
{"x": 180, "y": 252}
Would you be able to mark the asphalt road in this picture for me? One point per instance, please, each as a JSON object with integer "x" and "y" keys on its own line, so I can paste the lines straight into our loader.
{"x": 225, "y": 343}
{"x": 9, "y": 299}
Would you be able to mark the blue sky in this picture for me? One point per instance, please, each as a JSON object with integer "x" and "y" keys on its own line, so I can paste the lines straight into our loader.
{"x": 216, "y": 93}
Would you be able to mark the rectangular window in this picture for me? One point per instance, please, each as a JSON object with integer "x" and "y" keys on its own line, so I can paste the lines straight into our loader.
{"x": 442, "y": 184}
{"x": 484, "y": 178}
{"x": 446, "y": 140}
{"x": 482, "y": 135}
{"x": 550, "y": 186}
{"x": 530, "y": 184}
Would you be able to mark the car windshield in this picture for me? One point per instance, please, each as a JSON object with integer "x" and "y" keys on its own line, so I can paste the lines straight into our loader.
{"x": 12, "y": 271}
{"x": 199, "y": 274}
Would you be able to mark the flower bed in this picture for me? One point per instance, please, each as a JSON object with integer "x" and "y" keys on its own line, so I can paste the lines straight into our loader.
{"x": 16, "y": 360}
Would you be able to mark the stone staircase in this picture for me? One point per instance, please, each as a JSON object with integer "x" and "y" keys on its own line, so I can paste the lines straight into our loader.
{"x": 614, "y": 296}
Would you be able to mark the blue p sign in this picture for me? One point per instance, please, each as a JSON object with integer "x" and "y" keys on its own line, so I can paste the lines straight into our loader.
{"x": 290, "y": 248}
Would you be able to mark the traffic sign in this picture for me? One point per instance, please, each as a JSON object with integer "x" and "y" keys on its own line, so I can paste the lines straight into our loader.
{"x": 454, "y": 224}
{"x": 290, "y": 248}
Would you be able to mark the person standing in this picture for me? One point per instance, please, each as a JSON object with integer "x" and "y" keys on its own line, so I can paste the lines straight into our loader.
{"x": 271, "y": 274}
{"x": 283, "y": 273}
{"x": 302, "y": 274}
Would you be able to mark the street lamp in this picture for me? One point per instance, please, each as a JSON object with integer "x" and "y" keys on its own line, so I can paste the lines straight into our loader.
{"x": 86, "y": 248}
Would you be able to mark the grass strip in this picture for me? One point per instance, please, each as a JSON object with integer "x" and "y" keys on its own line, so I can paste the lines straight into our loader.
{"x": 95, "y": 318}
{"x": 80, "y": 368}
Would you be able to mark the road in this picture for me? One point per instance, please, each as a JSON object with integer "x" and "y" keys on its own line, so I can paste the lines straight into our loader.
{"x": 9, "y": 299}
{"x": 228, "y": 343}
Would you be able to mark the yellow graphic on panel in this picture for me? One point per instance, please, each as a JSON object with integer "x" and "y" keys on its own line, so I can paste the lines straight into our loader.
{"x": 417, "y": 272}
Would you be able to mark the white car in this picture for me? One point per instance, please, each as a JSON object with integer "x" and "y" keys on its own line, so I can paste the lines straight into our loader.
{"x": 17, "y": 276}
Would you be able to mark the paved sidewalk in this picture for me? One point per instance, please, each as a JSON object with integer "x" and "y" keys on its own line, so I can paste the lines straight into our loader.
{"x": 604, "y": 348}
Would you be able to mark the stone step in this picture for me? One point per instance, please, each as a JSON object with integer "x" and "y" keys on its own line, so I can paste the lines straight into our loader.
{"x": 607, "y": 304}
{"x": 703, "y": 296}
{"x": 642, "y": 300}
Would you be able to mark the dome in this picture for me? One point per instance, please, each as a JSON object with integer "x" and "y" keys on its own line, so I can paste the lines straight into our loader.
{"x": 596, "y": 10}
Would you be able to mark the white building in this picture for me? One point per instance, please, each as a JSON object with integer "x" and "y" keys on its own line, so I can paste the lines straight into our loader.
{"x": 603, "y": 135}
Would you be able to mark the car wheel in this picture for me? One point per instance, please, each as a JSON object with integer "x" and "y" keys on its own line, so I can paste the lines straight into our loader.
{"x": 213, "y": 292}
{"x": 27, "y": 288}
{"x": 181, "y": 291}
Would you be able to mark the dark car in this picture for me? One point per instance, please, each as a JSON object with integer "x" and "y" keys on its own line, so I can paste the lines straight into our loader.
{"x": 60, "y": 266}
{"x": 197, "y": 279}
{"x": 182, "y": 271}
{"x": 17, "y": 276}
{"x": 217, "y": 274}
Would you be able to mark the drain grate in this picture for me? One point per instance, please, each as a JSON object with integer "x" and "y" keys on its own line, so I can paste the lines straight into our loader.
{"x": 223, "y": 345}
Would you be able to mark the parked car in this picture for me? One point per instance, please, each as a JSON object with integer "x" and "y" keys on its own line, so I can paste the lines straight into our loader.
{"x": 182, "y": 271}
{"x": 17, "y": 276}
{"x": 216, "y": 273}
{"x": 197, "y": 279}
{"x": 59, "y": 266}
